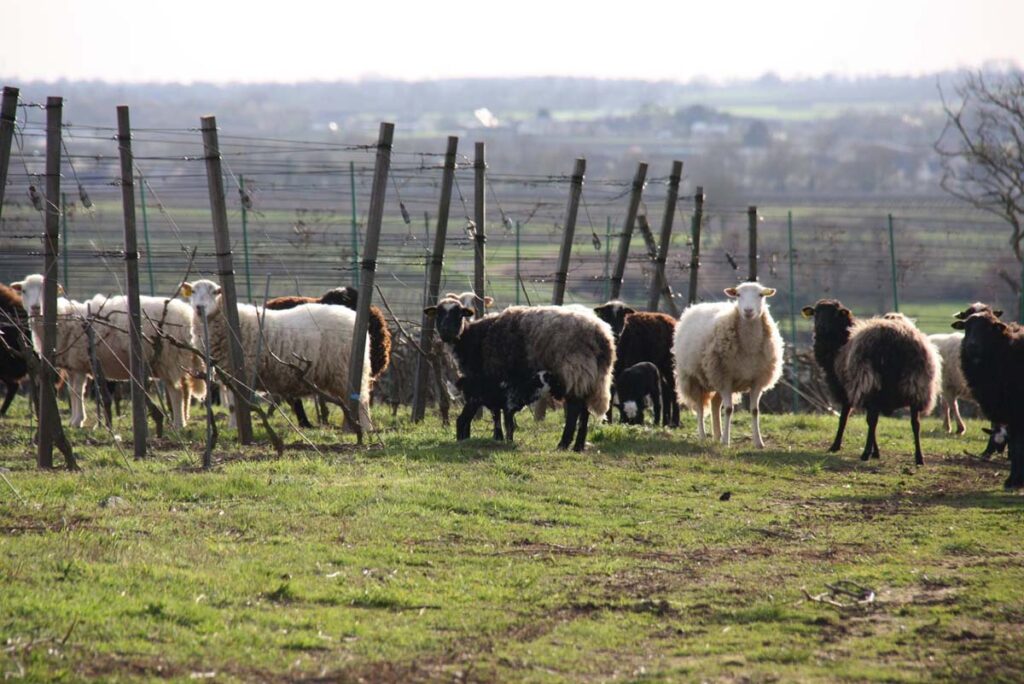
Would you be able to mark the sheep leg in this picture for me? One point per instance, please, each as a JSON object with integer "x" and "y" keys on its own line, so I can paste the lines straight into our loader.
{"x": 960, "y": 427}
{"x": 510, "y": 425}
{"x": 572, "y": 416}
{"x": 76, "y": 388}
{"x": 12, "y": 391}
{"x": 656, "y": 400}
{"x": 300, "y": 414}
{"x": 465, "y": 420}
{"x": 581, "y": 435}
{"x": 915, "y": 424}
{"x": 176, "y": 397}
{"x": 755, "y": 415}
{"x": 945, "y": 413}
{"x": 701, "y": 433}
{"x": 870, "y": 446}
{"x": 1016, "y": 449}
{"x": 716, "y": 416}
{"x": 837, "y": 443}
{"x": 727, "y": 419}
{"x": 496, "y": 419}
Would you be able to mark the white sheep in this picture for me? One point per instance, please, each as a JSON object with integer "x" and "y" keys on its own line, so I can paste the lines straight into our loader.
{"x": 722, "y": 349}
{"x": 178, "y": 368}
{"x": 954, "y": 385}
{"x": 315, "y": 337}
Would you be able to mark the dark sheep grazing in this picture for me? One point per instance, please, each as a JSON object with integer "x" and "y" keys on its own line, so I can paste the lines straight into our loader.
{"x": 576, "y": 347}
{"x": 880, "y": 365}
{"x": 992, "y": 356}
{"x": 377, "y": 329}
{"x": 632, "y": 387}
{"x": 13, "y": 338}
{"x": 648, "y": 337}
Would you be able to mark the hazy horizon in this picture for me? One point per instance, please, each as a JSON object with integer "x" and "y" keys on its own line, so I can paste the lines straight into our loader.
{"x": 196, "y": 42}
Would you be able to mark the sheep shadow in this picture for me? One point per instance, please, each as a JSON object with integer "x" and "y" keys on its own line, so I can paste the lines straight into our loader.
{"x": 804, "y": 459}
{"x": 995, "y": 499}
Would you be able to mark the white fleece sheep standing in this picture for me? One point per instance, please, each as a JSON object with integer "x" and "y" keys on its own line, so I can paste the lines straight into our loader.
{"x": 315, "y": 333}
{"x": 177, "y": 367}
{"x": 954, "y": 385}
{"x": 722, "y": 349}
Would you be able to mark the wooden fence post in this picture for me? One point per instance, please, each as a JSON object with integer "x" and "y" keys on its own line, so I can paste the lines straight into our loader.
{"x": 8, "y": 119}
{"x": 49, "y": 418}
{"x": 698, "y": 219}
{"x": 752, "y": 243}
{"x": 131, "y": 267}
{"x": 480, "y": 218}
{"x": 374, "y": 220}
{"x": 226, "y": 271}
{"x": 627, "y": 229}
{"x": 659, "y": 283}
{"x": 434, "y": 267}
{"x": 575, "y": 191}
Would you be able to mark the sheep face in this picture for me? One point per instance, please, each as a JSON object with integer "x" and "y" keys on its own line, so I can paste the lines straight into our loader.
{"x": 468, "y": 300}
{"x": 341, "y": 296}
{"x": 203, "y": 295}
{"x": 31, "y": 289}
{"x": 750, "y": 298}
{"x": 614, "y": 313}
{"x": 828, "y": 315}
{"x": 450, "y": 318}
{"x": 981, "y": 332}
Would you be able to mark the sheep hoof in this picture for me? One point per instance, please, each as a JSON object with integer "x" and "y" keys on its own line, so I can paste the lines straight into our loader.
{"x": 961, "y": 430}
{"x": 834, "y": 448}
{"x": 1011, "y": 484}
{"x": 865, "y": 456}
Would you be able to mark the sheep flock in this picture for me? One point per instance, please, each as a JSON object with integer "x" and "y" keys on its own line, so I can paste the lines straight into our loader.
{"x": 588, "y": 360}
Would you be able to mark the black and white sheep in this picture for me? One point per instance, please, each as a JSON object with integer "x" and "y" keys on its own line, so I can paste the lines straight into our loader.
{"x": 506, "y": 398}
{"x": 573, "y": 344}
{"x": 880, "y": 365}
{"x": 725, "y": 348}
{"x": 644, "y": 336}
{"x": 633, "y": 387}
{"x": 992, "y": 357}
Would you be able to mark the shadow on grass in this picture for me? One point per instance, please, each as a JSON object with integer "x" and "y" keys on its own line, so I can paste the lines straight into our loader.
{"x": 806, "y": 459}
{"x": 996, "y": 499}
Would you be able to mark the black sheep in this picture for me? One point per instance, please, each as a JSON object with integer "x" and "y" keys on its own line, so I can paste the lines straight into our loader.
{"x": 997, "y": 436}
{"x": 647, "y": 337}
{"x": 882, "y": 366}
{"x": 507, "y": 397}
{"x": 992, "y": 357}
{"x": 632, "y": 388}
{"x": 13, "y": 342}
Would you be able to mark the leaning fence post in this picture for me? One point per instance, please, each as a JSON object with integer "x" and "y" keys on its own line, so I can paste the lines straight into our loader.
{"x": 131, "y": 267}
{"x": 627, "y": 229}
{"x": 64, "y": 238}
{"x": 145, "y": 235}
{"x": 8, "y": 119}
{"x": 480, "y": 232}
{"x": 226, "y": 271}
{"x": 698, "y": 219}
{"x": 575, "y": 191}
{"x": 373, "y": 224}
{"x": 751, "y": 243}
{"x": 659, "y": 283}
{"x": 246, "y": 203}
{"x": 355, "y": 223}
{"x": 435, "y": 265}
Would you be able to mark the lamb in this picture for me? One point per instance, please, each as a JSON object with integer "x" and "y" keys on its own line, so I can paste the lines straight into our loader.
{"x": 631, "y": 389}
{"x": 508, "y": 397}
{"x": 992, "y": 356}
{"x": 725, "y": 348}
{"x": 312, "y": 334}
{"x": 879, "y": 364}
{"x": 644, "y": 336}
{"x": 377, "y": 328}
{"x": 13, "y": 336}
{"x": 179, "y": 368}
{"x": 576, "y": 347}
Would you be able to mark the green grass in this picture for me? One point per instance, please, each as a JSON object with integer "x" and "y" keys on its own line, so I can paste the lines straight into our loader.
{"x": 422, "y": 559}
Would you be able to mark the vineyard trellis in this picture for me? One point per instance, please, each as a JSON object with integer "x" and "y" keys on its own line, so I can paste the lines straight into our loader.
{"x": 305, "y": 207}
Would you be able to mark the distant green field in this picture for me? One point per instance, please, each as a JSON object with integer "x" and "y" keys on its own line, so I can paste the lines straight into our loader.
{"x": 651, "y": 557}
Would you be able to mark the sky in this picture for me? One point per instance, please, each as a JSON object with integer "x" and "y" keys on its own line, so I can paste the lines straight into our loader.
{"x": 300, "y": 40}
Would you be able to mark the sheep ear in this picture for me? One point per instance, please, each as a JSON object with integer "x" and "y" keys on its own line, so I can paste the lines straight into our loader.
{"x": 958, "y": 325}
{"x": 60, "y": 289}
{"x": 1000, "y": 326}
{"x": 186, "y": 289}
{"x": 217, "y": 290}
{"x": 17, "y": 287}
{"x": 807, "y": 312}
{"x": 628, "y": 310}
{"x": 846, "y": 312}
{"x": 488, "y": 301}
{"x": 430, "y": 310}
{"x": 467, "y": 312}
{"x": 450, "y": 295}
{"x": 768, "y": 292}
{"x": 731, "y": 292}
{"x": 998, "y": 313}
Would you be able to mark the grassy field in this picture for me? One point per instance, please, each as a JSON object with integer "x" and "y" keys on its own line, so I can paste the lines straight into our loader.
{"x": 649, "y": 557}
